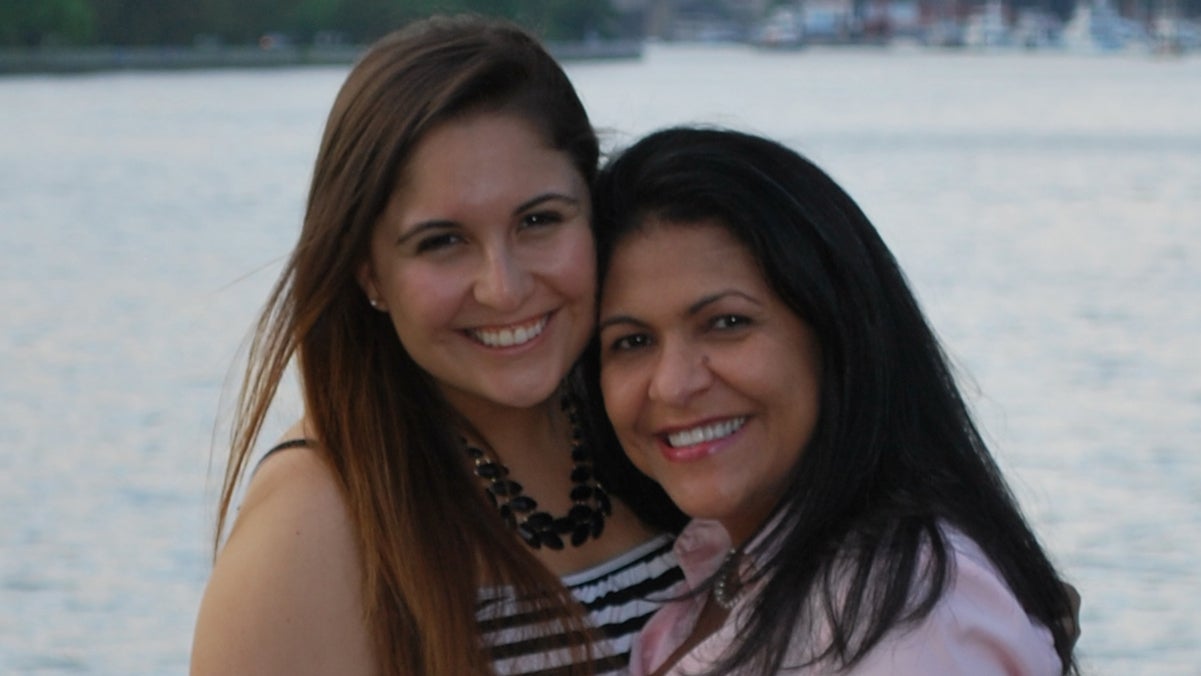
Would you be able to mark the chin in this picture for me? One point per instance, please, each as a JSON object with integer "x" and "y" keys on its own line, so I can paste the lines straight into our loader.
{"x": 698, "y": 504}
{"x": 526, "y": 396}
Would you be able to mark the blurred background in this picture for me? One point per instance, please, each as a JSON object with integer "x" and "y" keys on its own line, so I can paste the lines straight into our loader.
{"x": 322, "y": 29}
{"x": 1038, "y": 178}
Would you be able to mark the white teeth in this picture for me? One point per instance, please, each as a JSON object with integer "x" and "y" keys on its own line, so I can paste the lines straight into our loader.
{"x": 705, "y": 433}
{"x": 509, "y": 337}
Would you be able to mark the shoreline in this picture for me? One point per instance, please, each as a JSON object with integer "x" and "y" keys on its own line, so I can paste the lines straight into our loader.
{"x": 112, "y": 59}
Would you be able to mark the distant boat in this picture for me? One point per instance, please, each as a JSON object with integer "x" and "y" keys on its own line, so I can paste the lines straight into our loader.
{"x": 830, "y": 22}
{"x": 781, "y": 30}
{"x": 988, "y": 28}
{"x": 1096, "y": 26}
{"x": 943, "y": 32}
{"x": 1172, "y": 35}
{"x": 1037, "y": 29}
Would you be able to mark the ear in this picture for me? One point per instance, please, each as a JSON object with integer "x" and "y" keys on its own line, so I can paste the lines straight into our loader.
{"x": 365, "y": 276}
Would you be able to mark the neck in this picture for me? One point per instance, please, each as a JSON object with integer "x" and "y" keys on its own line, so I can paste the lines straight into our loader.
{"x": 516, "y": 435}
{"x": 534, "y": 444}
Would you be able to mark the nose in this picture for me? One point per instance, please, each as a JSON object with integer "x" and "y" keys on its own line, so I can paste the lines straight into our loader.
{"x": 503, "y": 282}
{"x": 681, "y": 372}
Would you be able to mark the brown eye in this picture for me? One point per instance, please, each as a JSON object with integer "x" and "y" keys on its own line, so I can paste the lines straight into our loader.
{"x": 630, "y": 342}
{"x": 541, "y": 218}
{"x": 437, "y": 242}
{"x": 726, "y": 322}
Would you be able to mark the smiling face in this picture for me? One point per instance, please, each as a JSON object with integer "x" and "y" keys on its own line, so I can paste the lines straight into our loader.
{"x": 484, "y": 260}
{"x": 710, "y": 380}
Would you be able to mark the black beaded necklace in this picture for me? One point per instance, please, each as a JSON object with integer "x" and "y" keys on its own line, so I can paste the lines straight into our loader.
{"x": 590, "y": 502}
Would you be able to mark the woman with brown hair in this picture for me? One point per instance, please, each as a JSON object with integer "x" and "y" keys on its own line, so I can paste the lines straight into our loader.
{"x": 443, "y": 506}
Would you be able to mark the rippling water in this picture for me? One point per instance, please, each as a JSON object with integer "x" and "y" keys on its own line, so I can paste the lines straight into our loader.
{"x": 1047, "y": 208}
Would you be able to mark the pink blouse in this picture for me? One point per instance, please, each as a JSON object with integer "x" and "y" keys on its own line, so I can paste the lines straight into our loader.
{"x": 978, "y": 628}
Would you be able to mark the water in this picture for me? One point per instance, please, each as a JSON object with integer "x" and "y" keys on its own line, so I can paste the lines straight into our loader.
{"x": 1045, "y": 206}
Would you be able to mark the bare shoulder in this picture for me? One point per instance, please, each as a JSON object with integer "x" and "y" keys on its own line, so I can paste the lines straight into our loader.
{"x": 284, "y": 596}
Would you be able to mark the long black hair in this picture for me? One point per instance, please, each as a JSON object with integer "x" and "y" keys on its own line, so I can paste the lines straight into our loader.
{"x": 895, "y": 454}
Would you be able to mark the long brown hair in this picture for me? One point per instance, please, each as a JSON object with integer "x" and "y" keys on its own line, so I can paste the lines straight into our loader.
{"x": 421, "y": 521}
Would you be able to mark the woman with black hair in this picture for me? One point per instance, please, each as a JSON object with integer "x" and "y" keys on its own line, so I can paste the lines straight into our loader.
{"x": 762, "y": 357}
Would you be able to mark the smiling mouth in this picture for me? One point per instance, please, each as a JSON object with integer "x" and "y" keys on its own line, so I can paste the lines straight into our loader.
{"x": 510, "y": 336}
{"x": 705, "y": 433}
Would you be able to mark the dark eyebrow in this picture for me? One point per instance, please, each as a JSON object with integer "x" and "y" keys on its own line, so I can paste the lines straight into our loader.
{"x": 423, "y": 226}
{"x": 713, "y": 298}
{"x": 692, "y": 310}
{"x": 619, "y": 319}
{"x": 442, "y": 223}
{"x": 545, "y": 197}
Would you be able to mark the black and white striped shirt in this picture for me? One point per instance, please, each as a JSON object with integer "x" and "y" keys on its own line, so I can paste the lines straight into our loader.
{"x": 619, "y": 596}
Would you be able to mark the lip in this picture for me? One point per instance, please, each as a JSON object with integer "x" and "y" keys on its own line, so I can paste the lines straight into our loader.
{"x": 511, "y": 337}
{"x": 711, "y": 436}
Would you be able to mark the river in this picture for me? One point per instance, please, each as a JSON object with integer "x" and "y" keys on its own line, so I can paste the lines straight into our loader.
{"x": 1046, "y": 206}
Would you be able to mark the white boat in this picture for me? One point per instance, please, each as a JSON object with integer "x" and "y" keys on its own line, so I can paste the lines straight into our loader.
{"x": 1096, "y": 26}
{"x": 781, "y": 30}
{"x": 988, "y": 28}
{"x": 1172, "y": 35}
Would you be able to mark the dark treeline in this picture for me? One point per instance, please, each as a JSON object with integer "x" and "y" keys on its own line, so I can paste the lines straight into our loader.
{"x": 50, "y": 23}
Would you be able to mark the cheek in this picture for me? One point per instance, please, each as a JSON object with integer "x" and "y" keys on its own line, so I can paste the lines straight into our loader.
{"x": 622, "y": 389}
{"x": 577, "y": 268}
{"x": 639, "y": 450}
{"x": 421, "y": 300}
{"x": 620, "y": 403}
{"x": 797, "y": 417}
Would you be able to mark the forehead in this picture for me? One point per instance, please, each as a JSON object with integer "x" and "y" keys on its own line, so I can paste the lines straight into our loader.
{"x": 710, "y": 234}
{"x": 478, "y": 136}
{"x": 657, "y": 255}
{"x": 484, "y": 148}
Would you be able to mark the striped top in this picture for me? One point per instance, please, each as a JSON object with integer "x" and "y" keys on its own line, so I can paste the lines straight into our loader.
{"x": 619, "y": 596}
